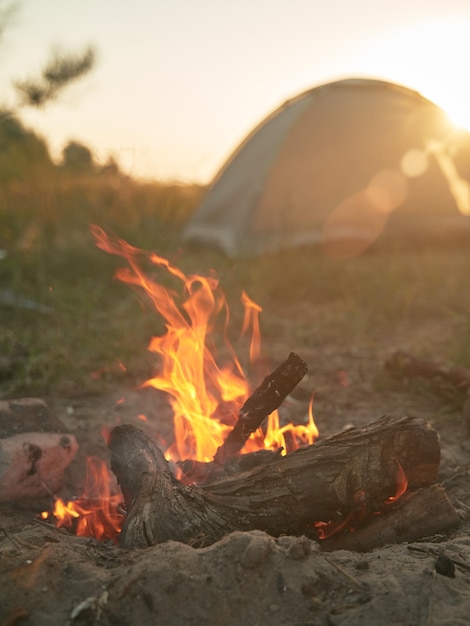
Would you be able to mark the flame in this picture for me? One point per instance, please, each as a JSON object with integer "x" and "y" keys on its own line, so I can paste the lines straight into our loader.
{"x": 350, "y": 522}
{"x": 205, "y": 396}
{"x": 189, "y": 374}
{"x": 95, "y": 514}
{"x": 328, "y": 529}
{"x": 290, "y": 437}
{"x": 251, "y": 320}
{"x": 402, "y": 485}
{"x": 205, "y": 392}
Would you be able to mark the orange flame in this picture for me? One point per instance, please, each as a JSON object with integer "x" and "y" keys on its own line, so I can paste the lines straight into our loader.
{"x": 251, "y": 320}
{"x": 205, "y": 396}
{"x": 290, "y": 437}
{"x": 402, "y": 485}
{"x": 328, "y": 529}
{"x": 96, "y": 513}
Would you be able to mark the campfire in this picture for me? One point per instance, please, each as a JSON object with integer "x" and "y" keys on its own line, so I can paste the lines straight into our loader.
{"x": 232, "y": 465}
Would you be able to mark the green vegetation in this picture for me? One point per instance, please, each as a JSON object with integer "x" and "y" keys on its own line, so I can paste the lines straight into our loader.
{"x": 51, "y": 260}
{"x": 95, "y": 323}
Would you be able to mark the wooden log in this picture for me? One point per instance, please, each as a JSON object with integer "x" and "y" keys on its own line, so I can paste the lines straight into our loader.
{"x": 404, "y": 365}
{"x": 35, "y": 449}
{"x": 415, "y": 515}
{"x": 322, "y": 482}
{"x": 265, "y": 399}
{"x": 199, "y": 472}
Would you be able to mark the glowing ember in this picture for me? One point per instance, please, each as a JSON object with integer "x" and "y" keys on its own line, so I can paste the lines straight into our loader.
{"x": 402, "y": 485}
{"x": 205, "y": 394}
{"x": 360, "y": 513}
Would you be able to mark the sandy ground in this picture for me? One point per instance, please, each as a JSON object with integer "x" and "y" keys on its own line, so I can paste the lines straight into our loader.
{"x": 49, "y": 577}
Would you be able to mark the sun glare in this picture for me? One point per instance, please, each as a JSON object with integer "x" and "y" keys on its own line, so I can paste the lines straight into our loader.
{"x": 431, "y": 57}
{"x": 458, "y": 115}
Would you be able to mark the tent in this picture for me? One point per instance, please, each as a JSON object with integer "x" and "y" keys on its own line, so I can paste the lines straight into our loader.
{"x": 339, "y": 165}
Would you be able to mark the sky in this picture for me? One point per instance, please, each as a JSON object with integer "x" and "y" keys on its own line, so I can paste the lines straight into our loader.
{"x": 178, "y": 84}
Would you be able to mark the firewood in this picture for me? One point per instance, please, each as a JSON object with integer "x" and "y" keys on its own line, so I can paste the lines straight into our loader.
{"x": 199, "y": 472}
{"x": 265, "y": 399}
{"x": 322, "y": 482}
{"x": 415, "y": 515}
{"x": 35, "y": 449}
{"x": 404, "y": 365}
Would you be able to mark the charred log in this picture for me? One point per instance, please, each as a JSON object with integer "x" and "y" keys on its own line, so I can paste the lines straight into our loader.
{"x": 265, "y": 399}
{"x": 322, "y": 482}
{"x": 403, "y": 365}
{"x": 415, "y": 515}
{"x": 199, "y": 472}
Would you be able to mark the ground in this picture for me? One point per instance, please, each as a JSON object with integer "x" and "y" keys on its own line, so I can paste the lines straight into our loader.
{"x": 51, "y": 577}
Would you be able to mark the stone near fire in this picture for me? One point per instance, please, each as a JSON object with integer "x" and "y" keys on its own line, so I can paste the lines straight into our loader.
{"x": 257, "y": 550}
{"x": 35, "y": 449}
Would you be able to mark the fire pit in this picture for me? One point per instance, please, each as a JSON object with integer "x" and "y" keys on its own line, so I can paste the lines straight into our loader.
{"x": 237, "y": 503}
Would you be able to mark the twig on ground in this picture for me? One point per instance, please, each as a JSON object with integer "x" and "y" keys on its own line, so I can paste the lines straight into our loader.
{"x": 345, "y": 573}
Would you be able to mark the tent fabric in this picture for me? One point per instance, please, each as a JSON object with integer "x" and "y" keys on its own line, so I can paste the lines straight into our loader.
{"x": 349, "y": 160}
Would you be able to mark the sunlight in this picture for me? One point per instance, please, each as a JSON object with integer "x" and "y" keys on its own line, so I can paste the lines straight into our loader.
{"x": 431, "y": 57}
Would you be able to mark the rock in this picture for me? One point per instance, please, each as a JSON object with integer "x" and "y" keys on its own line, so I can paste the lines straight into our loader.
{"x": 256, "y": 551}
{"x": 35, "y": 449}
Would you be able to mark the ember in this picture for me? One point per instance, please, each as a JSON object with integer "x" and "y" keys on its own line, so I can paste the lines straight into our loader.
{"x": 362, "y": 512}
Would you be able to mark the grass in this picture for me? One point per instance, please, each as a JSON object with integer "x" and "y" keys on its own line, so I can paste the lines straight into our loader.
{"x": 97, "y": 324}
{"x": 361, "y": 299}
{"x": 53, "y": 261}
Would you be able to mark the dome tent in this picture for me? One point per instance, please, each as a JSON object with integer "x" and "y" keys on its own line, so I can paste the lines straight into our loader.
{"x": 350, "y": 160}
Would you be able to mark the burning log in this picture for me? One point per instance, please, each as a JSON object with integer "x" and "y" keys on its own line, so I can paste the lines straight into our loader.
{"x": 417, "y": 514}
{"x": 358, "y": 468}
{"x": 34, "y": 450}
{"x": 265, "y": 399}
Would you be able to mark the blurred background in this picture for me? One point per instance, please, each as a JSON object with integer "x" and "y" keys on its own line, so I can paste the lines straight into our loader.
{"x": 177, "y": 85}
{"x": 121, "y": 115}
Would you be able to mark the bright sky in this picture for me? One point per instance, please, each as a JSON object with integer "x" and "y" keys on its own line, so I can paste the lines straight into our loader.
{"x": 179, "y": 83}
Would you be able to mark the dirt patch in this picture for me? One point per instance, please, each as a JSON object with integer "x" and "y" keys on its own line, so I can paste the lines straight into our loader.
{"x": 247, "y": 578}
